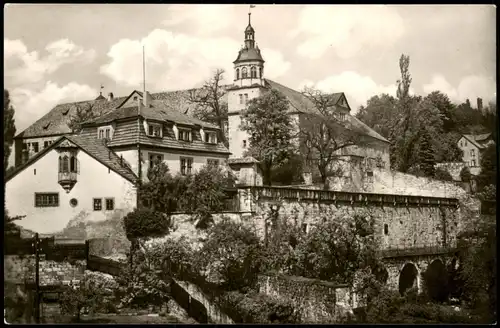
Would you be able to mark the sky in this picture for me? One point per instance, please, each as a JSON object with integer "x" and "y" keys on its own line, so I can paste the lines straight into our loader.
{"x": 64, "y": 53}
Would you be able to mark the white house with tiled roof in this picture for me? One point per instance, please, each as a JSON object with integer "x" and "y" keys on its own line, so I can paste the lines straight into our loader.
{"x": 471, "y": 146}
{"x": 75, "y": 176}
{"x": 94, "y": 174}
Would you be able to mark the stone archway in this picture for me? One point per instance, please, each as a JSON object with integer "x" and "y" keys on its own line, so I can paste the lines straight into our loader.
{"x": 436, "y": 281}
{"x": 408, "y": 278}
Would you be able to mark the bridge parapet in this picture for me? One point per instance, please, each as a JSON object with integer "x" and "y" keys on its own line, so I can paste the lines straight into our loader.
{"x": 418, "y": 250}
{"x": 265, "y": 192}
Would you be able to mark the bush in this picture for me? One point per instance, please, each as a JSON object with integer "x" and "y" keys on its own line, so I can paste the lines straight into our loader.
{"x": 144, "y": 222}
{"x": 290, "y": 172}
{"x": 142, "y": 283}
{"x": 442, "y": 174}
{"x": 260, "y": 308}
{"x": 85, "y": 295}
{"x": 18, "y": 304}
{"x": 231, "y": 255}
{"x": 465, "y": 174}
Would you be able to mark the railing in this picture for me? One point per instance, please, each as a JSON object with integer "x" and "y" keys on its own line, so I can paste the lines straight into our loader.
{"x": 67, "y": 176}
{"x": 349, "y": 197}
{"x": 419, "y": 249}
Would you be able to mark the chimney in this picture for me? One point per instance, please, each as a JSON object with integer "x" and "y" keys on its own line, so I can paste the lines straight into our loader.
{"x": 480, "y": 104}
{"x": 110, "y": 96}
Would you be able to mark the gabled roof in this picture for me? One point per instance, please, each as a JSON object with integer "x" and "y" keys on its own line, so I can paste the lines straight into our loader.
{"x": 299, "y": 103}
{"x": 56, "y": 121}
{"x": 92, "y": 147}
{"x": 478, "y": 140}
{"x": 156, "y": 111}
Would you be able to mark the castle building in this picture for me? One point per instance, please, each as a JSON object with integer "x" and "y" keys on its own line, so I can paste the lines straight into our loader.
{"x": 60, "y": 175}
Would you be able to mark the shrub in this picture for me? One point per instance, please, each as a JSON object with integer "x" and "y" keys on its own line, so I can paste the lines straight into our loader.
{"x": 290, "y": 172}
{"x": 144, "y": 222}
{"x": 142, "y": 283}
{"x": 465, "y": 174}
{"x": 231, "y": 255}
{"x": 76, "y": 297}
{"x": 442, "y": 174}
{"x": 256, "y": 307}
{"x": 18, "y": 305}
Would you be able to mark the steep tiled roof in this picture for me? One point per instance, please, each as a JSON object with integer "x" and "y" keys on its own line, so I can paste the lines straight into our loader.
{"x": 94, "y": 148}
{"x": 157, "y": 111}
{"x": 478, "y": 140}
{"x": 56, "y": 121}
{"x": 128, "y": 133}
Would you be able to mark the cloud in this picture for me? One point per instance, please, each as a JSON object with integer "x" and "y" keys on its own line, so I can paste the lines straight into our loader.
{"x": 24, "y": 67}
{"x": 346, "y": 29}
{"x": 179, "y": 61}
{"x": 205, "y": 19}
{"x": 357, "y": 88}
{"x": 30, "y": 105}
{"x": 469, "y": 87}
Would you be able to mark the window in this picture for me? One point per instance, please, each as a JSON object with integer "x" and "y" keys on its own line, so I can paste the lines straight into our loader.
{"x": 185, "y": 135}
{"x": 246, "y": 98}
{"x": 342, "y": 116}
{"x": 186, "y": 165}
{"x": 110, "y": 204}
{"x": 73, "y": 164}
{"x": 244, "y": 73}
{"x": 237, "y": 74}
{"x": 26, "y": 146}
{"x": 304, "y": 227}
{"x": 473, "y": 163}
{"x": 465, "y": 143}
{"x": 241, "y": 98}
{"x": 154, "y": 130}
{"x": 261, "y": 71}
{"x": 386, "y": 229}
{"x": 46, "y": 199}
{"x": 97, "y": 204}
{"x": 135, "y": 98}
{"x": 46, "y": 144}
{"x": 213, "y": 162}
{"x": 35, "y": 147}
{"x": 211, "y": 137}
{"x": 253, "y": 72}
{"x": 64, "y": 164}
{"x": 104, "y": 132}
{"x": 244, "y": 144}
{"x": 155, "y": 159}
{"x": 472, "y": 153}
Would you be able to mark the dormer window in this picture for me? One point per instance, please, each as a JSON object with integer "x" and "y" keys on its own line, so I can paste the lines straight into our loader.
{"x": 342, "y": 116}
{"x": 105, "y": 132}
{"x": 211, "y": 137}
{"x": 185, "y": 135}
{"x": 154, "y": 130}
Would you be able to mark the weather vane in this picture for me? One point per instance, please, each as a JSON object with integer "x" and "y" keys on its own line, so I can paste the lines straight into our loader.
{"x": 251, "y": 6}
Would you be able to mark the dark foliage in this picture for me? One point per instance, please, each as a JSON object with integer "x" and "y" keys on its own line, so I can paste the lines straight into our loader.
{"x": 442, "y": 174}
{"x": 145, "y": 223}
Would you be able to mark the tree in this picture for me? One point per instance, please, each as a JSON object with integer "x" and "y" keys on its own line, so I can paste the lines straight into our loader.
{"x": 290, "y": 172}
{"x": 209, "y": 104}
{"x": 231, "y": 253}
{"x": 324, "y": 134}
{"x": 402, "y": 139}
{"x": 426, "y": 156}
{"x": 80, "y": 116}
{"x": 488, "y": 174}
{"x": 9, "y": 130}
{"x": 379, "y": 114}
{"x": 267, "y": 122}
{"x": 445, "y": 107}
{"x": 465, "y": 174}
{"x": 76, "y": 297}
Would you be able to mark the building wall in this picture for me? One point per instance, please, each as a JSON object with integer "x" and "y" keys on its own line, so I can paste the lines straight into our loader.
{"x": 171, "y": 158}
{"x": 19, "y": 268}
{"x": 236, "y": 135}
{"x": 94, "y": 181}
{"x": 466, "y": 146}
{"x": 31, "y": 152}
